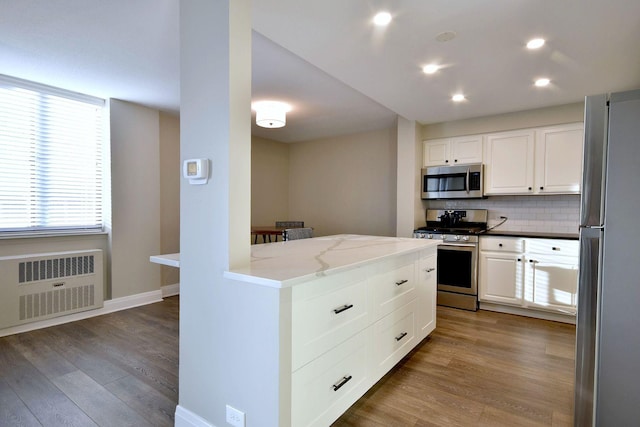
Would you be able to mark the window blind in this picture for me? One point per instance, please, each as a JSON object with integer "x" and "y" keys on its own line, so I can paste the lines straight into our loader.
{"x": 51, "y": 171}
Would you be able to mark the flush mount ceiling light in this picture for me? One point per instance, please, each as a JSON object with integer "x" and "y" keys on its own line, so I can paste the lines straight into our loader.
{"x": 430, "y": 69}
{"x": 382, "y": 19}
{"x": 542, "y": 82}
{"x": 271, "y": 114}
{"x": 458, "y": 97}
{"x": 535, "y": 43}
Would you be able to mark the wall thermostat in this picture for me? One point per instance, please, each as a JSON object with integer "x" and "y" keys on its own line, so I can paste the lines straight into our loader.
{"x": 196, "y": 170}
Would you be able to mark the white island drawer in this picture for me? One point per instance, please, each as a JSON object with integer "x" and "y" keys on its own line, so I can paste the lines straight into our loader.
{"x": 326, "y": 312}
{"x": 394, "y": 336}
{"x": 326, "y": 387}
{"x": 395, "y": 285}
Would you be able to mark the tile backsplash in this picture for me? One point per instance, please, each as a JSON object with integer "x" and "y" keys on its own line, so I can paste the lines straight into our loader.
{"x": 555, "y": 214}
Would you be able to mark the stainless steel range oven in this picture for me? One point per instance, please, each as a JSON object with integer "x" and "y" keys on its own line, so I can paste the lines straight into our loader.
{"x": 457, "y": 254}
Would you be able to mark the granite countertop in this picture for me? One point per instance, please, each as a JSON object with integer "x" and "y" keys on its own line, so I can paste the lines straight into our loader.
{"x": 533, "y": 234}
{"x": 284, "y": 264}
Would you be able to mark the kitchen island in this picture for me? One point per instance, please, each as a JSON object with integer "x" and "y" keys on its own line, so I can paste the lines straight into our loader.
{"x": 351, "y": 307}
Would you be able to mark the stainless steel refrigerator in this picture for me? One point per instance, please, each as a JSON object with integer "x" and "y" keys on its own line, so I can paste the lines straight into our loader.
{"x": 607, "y": 389}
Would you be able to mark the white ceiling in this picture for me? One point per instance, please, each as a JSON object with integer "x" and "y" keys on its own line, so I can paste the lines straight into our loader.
{"x": 341, "y": 74}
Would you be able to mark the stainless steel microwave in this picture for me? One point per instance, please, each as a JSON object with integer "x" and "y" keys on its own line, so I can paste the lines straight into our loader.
{"x": 453, "y": 182}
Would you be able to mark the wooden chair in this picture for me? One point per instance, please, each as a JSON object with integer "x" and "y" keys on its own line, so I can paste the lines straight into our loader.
{"x": 297, "y": 233}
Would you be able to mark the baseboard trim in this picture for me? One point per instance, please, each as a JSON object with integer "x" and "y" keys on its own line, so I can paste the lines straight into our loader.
{"x": 538, "y": 314}
{"x": 186, "y": 418}
{"x": 171, "y": 290}
{"x": 109, "y": 306}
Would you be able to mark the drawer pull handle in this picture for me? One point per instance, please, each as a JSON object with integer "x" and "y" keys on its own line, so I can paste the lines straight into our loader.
{"x": 429, "y": 270}
{"x": 533, "y": 261}
{"x": 401, "y": 282}
{"x": 555, "y": 248}
{"x": 342, "y": 382}
{"x": 402, "y": 335}
{"x": 343, "y": 308}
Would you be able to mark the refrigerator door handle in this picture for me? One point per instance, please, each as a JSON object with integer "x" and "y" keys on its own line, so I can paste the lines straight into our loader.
{"x": 594, "y": 160}
{"x": 586, "y": 318}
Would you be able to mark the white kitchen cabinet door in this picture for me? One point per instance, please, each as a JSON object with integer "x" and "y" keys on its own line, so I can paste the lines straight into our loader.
{"x": 453, "y": 151}
{"x": 501, "y": 278}
{"x": 466, "y": 149}
{"x": 427, "y": 292}
{"x": 436, "y": 152}
{"x": 509, "y": 167}
{"x": 551, "y": 283}
{"x": 559, "y": 159}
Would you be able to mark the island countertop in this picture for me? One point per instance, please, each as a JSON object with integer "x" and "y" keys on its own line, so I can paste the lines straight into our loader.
{"x": 285, "y": 264}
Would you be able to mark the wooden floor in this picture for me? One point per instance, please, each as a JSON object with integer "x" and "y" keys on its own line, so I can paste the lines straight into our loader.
{"x": 477, "y": 369}
{"x": 121, "y": 369}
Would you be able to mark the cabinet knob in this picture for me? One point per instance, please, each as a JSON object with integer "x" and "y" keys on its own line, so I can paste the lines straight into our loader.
{"x": 555, "y": 248}
{"x": 530, "y": 188}
{"x": 500, "y": 244}
{"x": 519, "y": 259}
{"x": 446, "y": 161}
{"x": 542, "y": 188}
{"x": 455, "y": 161}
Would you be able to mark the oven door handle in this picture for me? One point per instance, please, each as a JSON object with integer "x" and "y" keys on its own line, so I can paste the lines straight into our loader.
{"x": 467, "y": 183}
{"x": 457, "y": 245}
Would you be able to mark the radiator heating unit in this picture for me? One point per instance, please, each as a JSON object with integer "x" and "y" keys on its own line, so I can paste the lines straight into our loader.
{"x": 42, "y": 286}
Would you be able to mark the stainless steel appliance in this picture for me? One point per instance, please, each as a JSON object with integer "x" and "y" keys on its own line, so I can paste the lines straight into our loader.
{"x": 453, "y": 182}
{"x": 457, "y": 255}
{"x": 607, "y": 385}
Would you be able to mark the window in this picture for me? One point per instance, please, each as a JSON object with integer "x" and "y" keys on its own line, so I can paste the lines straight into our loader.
{"x": 51, "y": 171}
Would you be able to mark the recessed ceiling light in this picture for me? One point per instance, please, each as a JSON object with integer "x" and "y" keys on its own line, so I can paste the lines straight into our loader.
{"x": 382, "y": 19}
{"x": 458, "y": 97}
{"x": 431, "y": 68}
{"x": 535, "y": 43}
{"x": 542, "y": 82}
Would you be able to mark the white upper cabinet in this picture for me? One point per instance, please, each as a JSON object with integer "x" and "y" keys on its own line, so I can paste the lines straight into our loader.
{"x": 509, "y": 162}
{"x": 534, "y": 161}
{"x": 453, "y": 151}
{"x": 559, "y": 159}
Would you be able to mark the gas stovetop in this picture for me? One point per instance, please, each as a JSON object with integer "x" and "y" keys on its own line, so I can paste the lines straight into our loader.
{"x": 453, "y": 225}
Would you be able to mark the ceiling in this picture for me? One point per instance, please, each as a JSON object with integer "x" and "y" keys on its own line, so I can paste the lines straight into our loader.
{"x": 340, "y": 73}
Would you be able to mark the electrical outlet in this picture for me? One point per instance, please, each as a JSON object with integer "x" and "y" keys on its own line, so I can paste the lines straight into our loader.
{"x": 235, "y": 417}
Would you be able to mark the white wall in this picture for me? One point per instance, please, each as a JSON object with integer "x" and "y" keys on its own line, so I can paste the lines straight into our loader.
{"x": 269, "y": 181}
{"x": 569, "y": 113}
{"x": 229, "y": 332}
{"x": 135, "y": 216}
{"x": 170, "y": 173}
{"x": 345, "y": 184}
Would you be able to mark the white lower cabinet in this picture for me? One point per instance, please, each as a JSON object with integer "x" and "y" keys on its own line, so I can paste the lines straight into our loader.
{"x": 553, "y": 283}
{"x": 539, "y": 274}
{"x": 394, "y": 336}
{"x": 331, "y": 383}
{"x": 350, "y": 329}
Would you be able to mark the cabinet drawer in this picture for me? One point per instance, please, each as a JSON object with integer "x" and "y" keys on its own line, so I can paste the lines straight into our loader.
{"x": 395, "y": 287}
{"x": 322, "y": 390}
{"x": 394, "y": 336}
{"x": 332, "y": 310}
{"x": 502, "y": 244}
{"x": 553, "y": 247}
